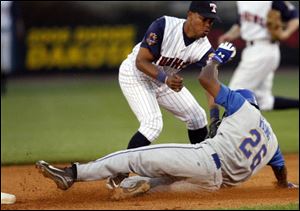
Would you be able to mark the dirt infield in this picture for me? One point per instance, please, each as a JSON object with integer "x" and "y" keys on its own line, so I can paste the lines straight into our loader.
{"x": 34, "y": 192}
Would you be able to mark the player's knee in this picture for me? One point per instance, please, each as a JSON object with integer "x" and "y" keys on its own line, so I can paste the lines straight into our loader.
{"x": 264, "y": 101}
{"x": 197, "y": 119}
{"x": 196, "y": 123}
{"x": 152, "y": 127}
{"x": 265, "y": 105}
{"x": 156, "y": 127}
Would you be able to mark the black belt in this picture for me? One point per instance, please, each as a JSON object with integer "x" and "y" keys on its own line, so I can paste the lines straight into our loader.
{"x": 252, "y": 42}
{"x": 217, "y": 160}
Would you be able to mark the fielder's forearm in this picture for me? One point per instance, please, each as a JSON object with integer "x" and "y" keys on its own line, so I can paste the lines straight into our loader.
{"x": 144, "y": 61}
{"x": 213, "y": 108}
{"x": 211, "y": 101}
{"x": 147, "y": 67}
{"x": 233, "y": 33}
{"x": 291, "y": 27}
{"x": 208, "y": 78}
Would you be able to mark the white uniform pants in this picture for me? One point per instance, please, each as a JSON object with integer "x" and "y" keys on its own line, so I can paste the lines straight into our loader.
{"x": 145, "y": 96}
{"x": 256, "y": 71}
{"x": 6, "y": 54}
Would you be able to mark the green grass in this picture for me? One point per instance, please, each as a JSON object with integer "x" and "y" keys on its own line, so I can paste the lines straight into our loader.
{"x": 64, "y": 120}
{"x": 291, "y": 206}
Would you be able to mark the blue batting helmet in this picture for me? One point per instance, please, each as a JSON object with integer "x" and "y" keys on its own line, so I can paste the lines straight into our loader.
{"x": 249, "y": 96}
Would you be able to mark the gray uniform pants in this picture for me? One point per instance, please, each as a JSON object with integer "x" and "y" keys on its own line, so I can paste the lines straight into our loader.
{"x": 198, "y": 164}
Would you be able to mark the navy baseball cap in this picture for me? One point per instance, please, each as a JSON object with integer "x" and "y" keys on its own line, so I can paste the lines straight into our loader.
{"x": 207, "y": 9}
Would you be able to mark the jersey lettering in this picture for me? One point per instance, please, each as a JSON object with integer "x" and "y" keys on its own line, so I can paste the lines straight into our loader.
{"x": 248, "y": 17}
{"x": 175, "y": 63}
{"x": 263, "y": 125}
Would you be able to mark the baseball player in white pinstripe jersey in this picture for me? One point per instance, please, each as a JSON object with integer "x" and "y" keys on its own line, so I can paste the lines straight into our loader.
{"x": 149, "y": 79}
{"x": 261, "y": 57}
{"x": 238, "y": 151}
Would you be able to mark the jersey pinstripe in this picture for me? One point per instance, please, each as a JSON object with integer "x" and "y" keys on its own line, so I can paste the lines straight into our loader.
{"x": 175, "y": 55}
{"x": 146, "y": 95}
{"x": 173, "y": 46}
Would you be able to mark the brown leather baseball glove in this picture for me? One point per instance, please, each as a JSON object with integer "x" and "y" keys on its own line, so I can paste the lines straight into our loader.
{"x": 274, "y": 24}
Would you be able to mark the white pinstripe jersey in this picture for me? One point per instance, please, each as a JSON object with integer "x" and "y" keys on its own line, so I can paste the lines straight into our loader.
{"x": 174, "y": 54}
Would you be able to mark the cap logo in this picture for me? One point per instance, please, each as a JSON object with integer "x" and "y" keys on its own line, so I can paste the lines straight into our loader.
{"x": 213, "y": 7}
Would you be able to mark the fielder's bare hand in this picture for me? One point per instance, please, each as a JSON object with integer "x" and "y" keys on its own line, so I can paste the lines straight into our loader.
{"x": 175, "y": 82}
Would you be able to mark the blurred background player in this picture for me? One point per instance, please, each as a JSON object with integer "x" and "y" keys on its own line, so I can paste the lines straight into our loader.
{"x": 261, "y": 57}
{"x": 6, "y": 42}
{"x": 6, "y": 63}
{"x": 12, "y": 31}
